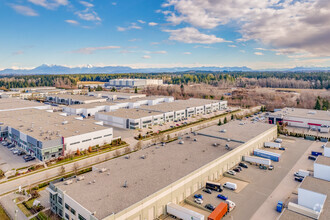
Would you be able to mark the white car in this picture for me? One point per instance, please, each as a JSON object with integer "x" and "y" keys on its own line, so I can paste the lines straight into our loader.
{"x": 15, "y": 151}
{"x": 231, "y": 172}
{"x": 199, "y": 201}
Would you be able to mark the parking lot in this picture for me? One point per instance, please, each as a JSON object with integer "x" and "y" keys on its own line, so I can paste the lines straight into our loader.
{"x": 260, "y": 183}
{"x": 9, "y": 161}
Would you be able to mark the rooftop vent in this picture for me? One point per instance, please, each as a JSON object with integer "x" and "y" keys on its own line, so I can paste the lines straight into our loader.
{"x": 181, "y": 142}
{"x": 103, "y": 170}
{"x": 68, "y": 182}
{"x": 215, "y": 144}
{"x": 64, "y": 122}
{"x": 79, "y": 178}
{"x": 223, "y": 131}
{"x": 143, "y": 157}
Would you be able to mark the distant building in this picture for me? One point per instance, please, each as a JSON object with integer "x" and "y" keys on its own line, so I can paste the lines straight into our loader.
{"x": 133, "y": 82}
{"x": 302, "y": 118}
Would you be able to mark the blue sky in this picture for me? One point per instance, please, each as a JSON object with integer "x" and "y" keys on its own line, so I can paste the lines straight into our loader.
{"x": 165, "y": 33}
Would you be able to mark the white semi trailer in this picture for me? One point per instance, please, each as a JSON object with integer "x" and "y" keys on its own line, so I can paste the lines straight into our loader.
{"x": 257, "y": 160}
{"x": 183, "y": 213}
{"x": 272, "y": 144}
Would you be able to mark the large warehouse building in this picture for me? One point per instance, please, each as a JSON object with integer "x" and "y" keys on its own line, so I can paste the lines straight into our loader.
{"x": 47, "y": 134}
{"x": 133, "y": 82}
{"x": 139, "y": 187}
{"x": 143, "y": 116}
{"x": 66, "y": 99}
{"x": 11, "y": 104}
{"x": 302, "y": 118}
{"x": 116, "y": 95}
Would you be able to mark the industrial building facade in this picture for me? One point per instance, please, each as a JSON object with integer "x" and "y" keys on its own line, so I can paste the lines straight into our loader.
{"x": 133, "y": 82}
{"x": 46, "y": 135}
{"x": 69, "y": 203}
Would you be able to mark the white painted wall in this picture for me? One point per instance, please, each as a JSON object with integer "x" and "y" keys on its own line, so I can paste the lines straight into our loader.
{"x": 322, "y": 171}
{"x": 311, "y": 200}
{"x": 327, "y": 151}
{"x": 82, "y": 145}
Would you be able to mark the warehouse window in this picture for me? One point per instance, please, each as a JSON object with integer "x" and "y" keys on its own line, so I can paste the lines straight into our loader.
{"x": 107, "y": 135}
{"x": 97, "y": 138}
{"x": 81, "y": 217}
{"x": 73, "y": 211}
{"x": 78, "y": 142}
{"x": 67, "y": 206}
{"x": 86, "y": 140}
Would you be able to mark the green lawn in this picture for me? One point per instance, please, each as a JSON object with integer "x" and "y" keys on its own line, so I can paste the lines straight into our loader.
{"x": 26, "y": 212}
{"x": 41, "y": 216}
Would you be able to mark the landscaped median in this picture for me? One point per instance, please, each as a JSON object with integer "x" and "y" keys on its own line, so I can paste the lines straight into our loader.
{"x": 3, "y": 214}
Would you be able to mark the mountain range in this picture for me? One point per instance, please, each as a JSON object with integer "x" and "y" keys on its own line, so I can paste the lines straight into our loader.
{"x": 56, "y": 69}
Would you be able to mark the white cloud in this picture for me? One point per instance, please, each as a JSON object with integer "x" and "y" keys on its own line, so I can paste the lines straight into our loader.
{"x": 298, "y": 25}
{"x": 132, "y": 26}
{"x": 114, "y": 3}
{"x": 186, "y": 53}
{"x": 19, "y": 52}
{"x": 154, "y": 43}
{"x": 87, "y": 4}
{"x": 133, "y": 40}
{"x": 258, "y": 53}
{"x": 153, "y": 24}
{"x": 24, "y": 10}
{"x": 156, "y": 52}
{"x": 91, "y": 50}
{"x": 231, "y": 45}
{"x": 141, "y": 21}
{"x": 50, "y": 4}
{"x": 72, "y": 22}
{"x": 192, "y": 35}
{"x": 88, "y": 15}
{"x": 146, "y": 57}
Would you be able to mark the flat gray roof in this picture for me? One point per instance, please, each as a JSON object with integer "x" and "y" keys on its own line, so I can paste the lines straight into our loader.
{"x": 43, "y": 121}
{"x": 144, "y": 176}
{"x": 90, "y": 105}
{"x": 237, "y": 130}
{"x": 76, "y": 97}
{"x": 120, "y": 93}
{"x": 16, "y": 103}
{"x": 132, "y": 113}
{"x": 305, "y": 113}
{"x": 323, "y": 160}
{"x": 316, "y": 185}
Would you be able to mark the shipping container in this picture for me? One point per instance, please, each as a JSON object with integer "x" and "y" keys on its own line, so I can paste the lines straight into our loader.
{"x": 316, "y": 153}
{"x": 183, "y": 213}
{"x": 267, "y": 154}
{"x": 257, "y": 160}
{"x": 220, "y": 211}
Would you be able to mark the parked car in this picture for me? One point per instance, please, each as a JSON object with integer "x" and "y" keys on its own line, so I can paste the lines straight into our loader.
{"x": 243, "y": 165}
{"x": 29, "y": 159}
{"x": 11, "y": 146}
{"x": 271, "y": 167}
{"x": 15, "y": 151}
{"x": 220, "y": 196}
{"x": 262, "y": 167}
{"x": 237, "y": 170}
{"x": 198, "y": 196}
{"x": 207, "y": 191}
{"x": 240, "y": 168}
{"x": 299, "y": 179}
{"x": 26, "y": 156}
{"x": 20, "y": 153}
{"x": 210, "y": 207}
{"x": 311, "y": 158}
{"x": 296, "y": 174}
{"x": 199, "y": 201}
{"x": 231, "y": 172}
{"x": 281, "y": 148}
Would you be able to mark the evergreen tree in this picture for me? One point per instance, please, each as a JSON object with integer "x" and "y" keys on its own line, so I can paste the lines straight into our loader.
{"x": 135, "y": 90}
{"x": 220, "y": 123}
{"x": 317, "y": 104}
{"x": 225, "y": 120}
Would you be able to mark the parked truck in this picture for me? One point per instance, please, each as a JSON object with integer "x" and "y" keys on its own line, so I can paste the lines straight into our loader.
{"x": 267, "y": 154}
{"x": 257, "y": 160}
{"x": 220, "y": 211}
{"x": 229, "y": 185}
{"x": 272, "y": 144}
{"x": 183, "y": 213}
{"x": 302, "y": 173}
{"x": 324, "y": 129}
{"x": 231, "y": 205}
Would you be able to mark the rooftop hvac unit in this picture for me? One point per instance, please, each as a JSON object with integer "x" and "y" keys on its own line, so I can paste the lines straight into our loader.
{"x": 181, "y": 142}
{"x": 242, "y": 123}
{"x": 79, "y": 178}
{"x": 103, "y": 170}
{"x": 195, "y": 139}
{"x": 223, "y": 131}
{"x": 127, "y": 157}
{"x": 68, "y": 182}
{"x": 215, "y": 144}
{"x": 64, "y": 122}
{"x": 143, "y": 157}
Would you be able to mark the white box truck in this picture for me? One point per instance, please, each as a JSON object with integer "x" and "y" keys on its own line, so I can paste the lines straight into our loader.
{"x": 257, "y": 160}
{"x": 324, "y": 129}
{"x": 272, "y": 144}
{"x": 230, "y": 185}
{"x": 183, "y": 213}
{"x": 303, "y": 173}
{"x": 231, "y": 205}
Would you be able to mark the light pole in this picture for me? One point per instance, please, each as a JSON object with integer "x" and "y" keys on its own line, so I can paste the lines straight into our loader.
{"x": 16, "y": 211}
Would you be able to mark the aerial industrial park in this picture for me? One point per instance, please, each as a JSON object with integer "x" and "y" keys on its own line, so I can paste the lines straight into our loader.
{"x": 165, "y": 110}
{"x": 84, "y": 154}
